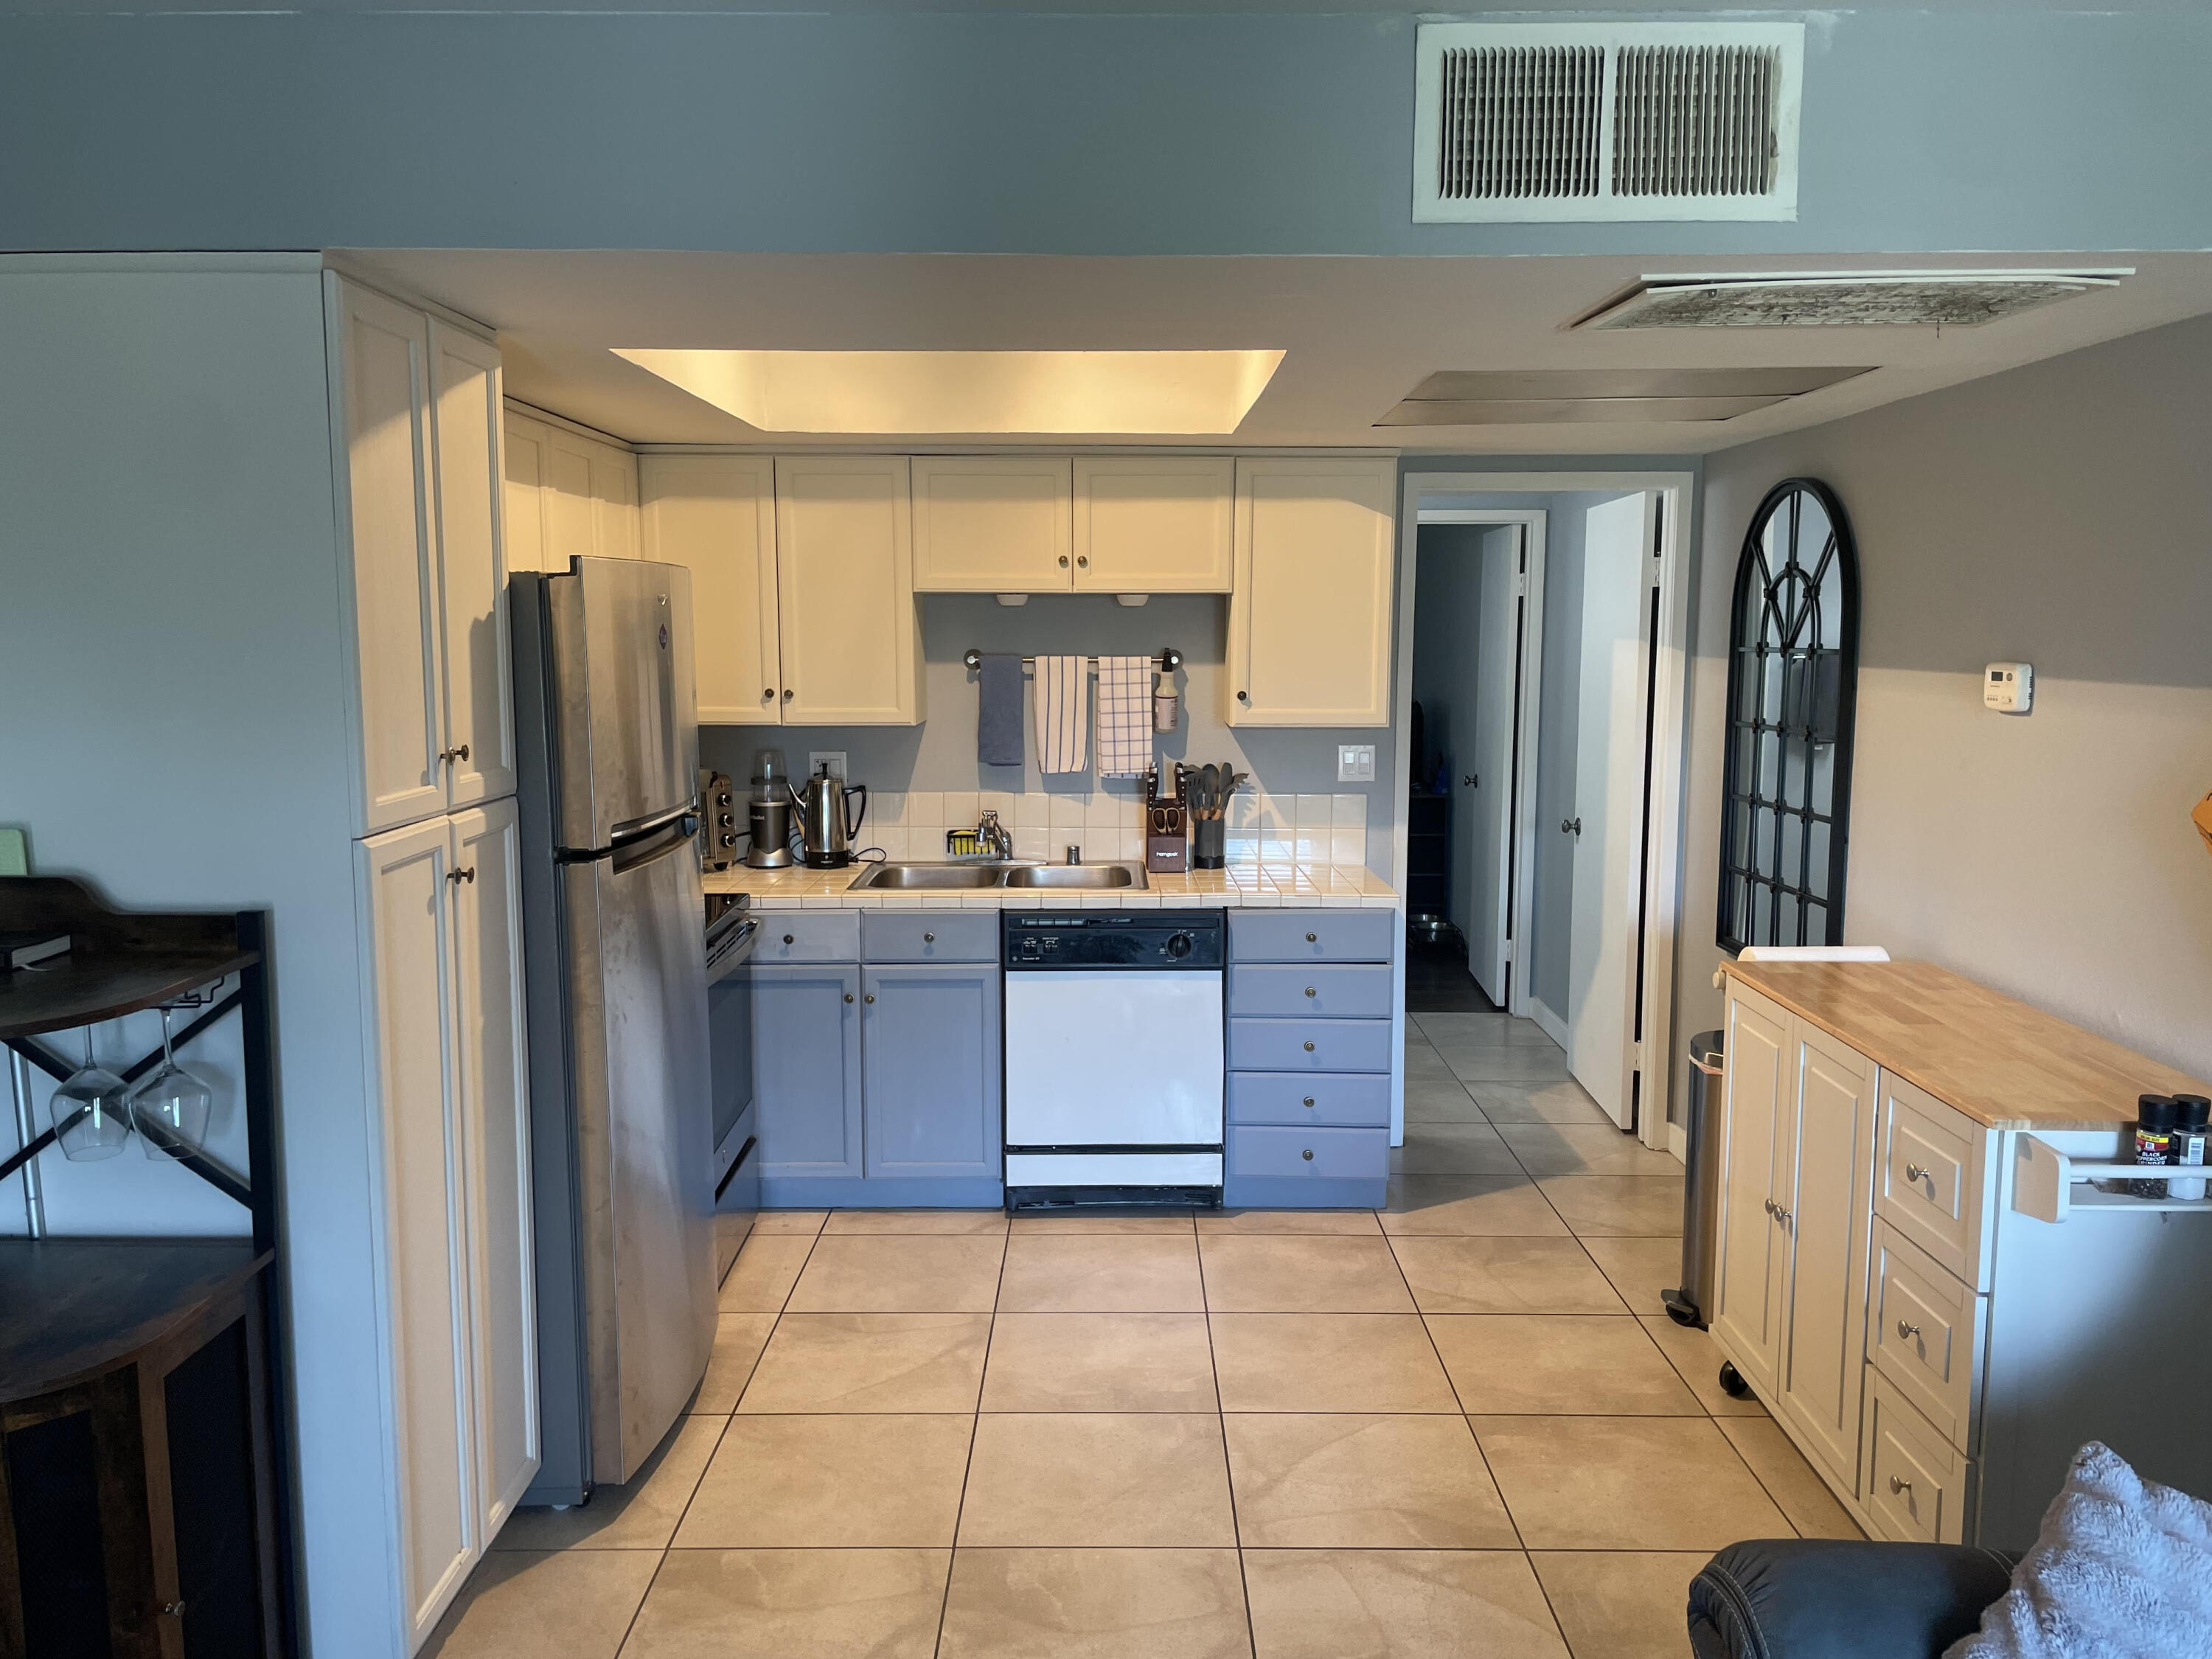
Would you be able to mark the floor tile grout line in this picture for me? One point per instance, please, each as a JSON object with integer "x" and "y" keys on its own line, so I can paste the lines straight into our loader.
{"x": 974, "y": 1432}
{"x": 1228, "y": 1468}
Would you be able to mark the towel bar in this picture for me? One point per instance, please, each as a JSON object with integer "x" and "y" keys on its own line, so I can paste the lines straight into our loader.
{"x": 1166, "y": 662}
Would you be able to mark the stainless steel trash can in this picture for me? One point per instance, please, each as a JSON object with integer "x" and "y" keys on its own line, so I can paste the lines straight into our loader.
{"x": 1692, "y": 1302}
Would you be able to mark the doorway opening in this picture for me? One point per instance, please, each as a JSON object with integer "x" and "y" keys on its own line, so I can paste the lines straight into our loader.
{"x": 1541, "y": 622}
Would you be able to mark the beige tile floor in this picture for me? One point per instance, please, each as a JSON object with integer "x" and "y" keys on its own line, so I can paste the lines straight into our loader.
{"x": 1460, "y": 1425}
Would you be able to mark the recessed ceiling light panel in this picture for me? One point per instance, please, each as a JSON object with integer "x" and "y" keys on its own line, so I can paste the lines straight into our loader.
{"x": 1892, "y": 299}
{"x": 1148, "y": 393}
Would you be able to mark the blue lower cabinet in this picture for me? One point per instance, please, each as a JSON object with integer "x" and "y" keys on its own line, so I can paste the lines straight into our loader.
{"x": 1332, "y": 1099}
{"x": 929, "y": 1045}
{"x": 1302, "y": 1168}
{"x": 806, "y": 1060}
{"x": 1309, "y": 1045}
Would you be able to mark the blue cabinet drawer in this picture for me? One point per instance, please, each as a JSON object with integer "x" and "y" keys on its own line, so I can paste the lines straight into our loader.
{"x": 1309, "y": 1045}
{"x": 1338, "y": 1099}
{"x": 1310, "y": 1154}
{"x": 1311, "y": 935}
{"x": 808, "y": 936}
{"x": 929, "y": 936}
{"x": 1320, "y": 990}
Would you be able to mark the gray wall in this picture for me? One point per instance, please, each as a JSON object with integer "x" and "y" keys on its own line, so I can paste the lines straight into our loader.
{"x": 940, "y": 753}
{"x": 2056, "y": 515}
{"x": 1447, "y": 636}
{"x": 872, "y": 130}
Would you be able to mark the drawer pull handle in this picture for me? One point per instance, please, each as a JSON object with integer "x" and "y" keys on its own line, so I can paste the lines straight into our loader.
{"x": 1307, "y": 1155}
{"x": 1915, "y": 1172}
{"x": 1309, "y": 1045}
{"x": 870, "y": 997}
{"x": 1313, "y": 939}
{"x": 929, "y": 938}
{"x": 1309, "y": 990}
{"x": 1899, "y": 1483}
{"x": 1909, "y": 1331}
{"x": 848, "y": 996}
{"x": 789, "y": 939}
{"x": 1309, "y": 1100}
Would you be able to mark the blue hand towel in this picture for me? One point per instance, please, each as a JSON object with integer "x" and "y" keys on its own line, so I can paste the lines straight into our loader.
{"x": 999, "y": 710}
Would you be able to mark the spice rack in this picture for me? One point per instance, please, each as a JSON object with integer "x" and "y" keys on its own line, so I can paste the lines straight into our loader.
{"x": 2044, "y": 1184}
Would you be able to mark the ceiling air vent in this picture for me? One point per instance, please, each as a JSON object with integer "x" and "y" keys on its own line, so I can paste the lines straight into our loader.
{"x": 1519, "y": 122}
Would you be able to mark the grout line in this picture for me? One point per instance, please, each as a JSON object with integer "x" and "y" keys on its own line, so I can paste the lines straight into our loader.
{"x": 1228, "y": 1469}
{"x": 974, "y": 1432}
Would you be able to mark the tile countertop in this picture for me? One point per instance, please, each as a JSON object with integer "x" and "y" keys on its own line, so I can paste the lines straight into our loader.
{"x": 1241, "y": 886}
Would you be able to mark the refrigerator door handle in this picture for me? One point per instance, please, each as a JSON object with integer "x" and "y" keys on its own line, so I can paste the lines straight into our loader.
{"x": 646, "y": 850}
{"x": 638, "y": 828}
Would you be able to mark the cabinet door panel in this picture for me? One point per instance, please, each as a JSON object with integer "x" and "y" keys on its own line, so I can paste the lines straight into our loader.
{"x": 991, "y": 524}
{"x": 1748, "y": 1287}
{"x": 494, "y": 1101}
{"x": 930, "y": 1048}
{"x": 527, "y": 460}
{"x": 850, "y": 638}
{"x": 1309, "y": 621}
{"x": 715, "y": 515}
{"x": 614, "y": 503}
{"x": 571, "y": 517}
{"x": 465, "y": 421}
{"x": 806, "y": 1052}
{"x": 1159, "y": 524}
{"x": 422, "y": 1242}
{"x": 384, "y": 376}
{"x": 1830, "y": 1201}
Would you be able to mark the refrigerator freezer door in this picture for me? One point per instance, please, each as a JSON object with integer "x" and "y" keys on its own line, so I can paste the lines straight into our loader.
{"x": 643, "y": 1140}
{"x": 624, "y": 704}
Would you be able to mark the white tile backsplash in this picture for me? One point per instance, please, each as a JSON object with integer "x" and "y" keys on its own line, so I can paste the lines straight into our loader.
{"x": 1283, "y": 831}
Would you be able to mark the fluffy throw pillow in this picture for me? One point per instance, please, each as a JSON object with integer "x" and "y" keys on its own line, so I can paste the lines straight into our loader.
{"x": 2121, "y": 1570}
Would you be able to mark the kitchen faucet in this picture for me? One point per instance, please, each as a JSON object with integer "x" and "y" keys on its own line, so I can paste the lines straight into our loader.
{"x": 994, "y": 838}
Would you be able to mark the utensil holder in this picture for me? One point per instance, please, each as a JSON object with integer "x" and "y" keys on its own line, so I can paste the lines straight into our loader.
{"x": 1207, "y": 844}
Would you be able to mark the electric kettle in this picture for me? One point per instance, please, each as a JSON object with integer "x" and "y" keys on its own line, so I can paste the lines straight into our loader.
{"x": 828, "y": 821}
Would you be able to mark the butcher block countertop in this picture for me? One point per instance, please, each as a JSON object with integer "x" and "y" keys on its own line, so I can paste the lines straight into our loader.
{"x": 2004, "y": 1064}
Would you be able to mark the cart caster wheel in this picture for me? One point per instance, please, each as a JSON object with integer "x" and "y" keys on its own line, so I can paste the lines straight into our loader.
{"x": 1732, "y": 1383}
{"x": 1681, "y": 1308}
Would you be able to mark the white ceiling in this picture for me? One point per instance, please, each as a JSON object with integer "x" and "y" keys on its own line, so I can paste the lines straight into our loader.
{"x": 1359, "y": 333}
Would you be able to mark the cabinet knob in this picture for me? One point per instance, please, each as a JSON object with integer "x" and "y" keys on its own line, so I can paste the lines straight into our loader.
{"x": 786, "y": 696}
{"x": 457, "y": 877}
{"x": 1309, "y": 1100}
{"x": 1909, "y": 1331}
{"x": 789, "y": 939}
{"x": 1063, "y": 562}
{"x": 929, "y": 938}
{"x": 1571, "y": 827}
{"x": 1082, "y": 561}
{"x": 848, "y": 996}
{"x": 870, "y": 997}
{"x": 767, "y": 691}
{"x": 1782, "y": 1216}
{"x": 1899, "y": 1483}
{"x": 174, "y": 1609}
{"x": 1309, "y": 990}
{"x": 1243, "y": 696}
{"x": 1309, "y": 1045}
{"x": 1915, "y": 1172}
{"x": 1307, "y": 1154}
{"x": 1313, "y": 939}
{"x": 1468, "y": 780}
{"x": 459, "y": 752}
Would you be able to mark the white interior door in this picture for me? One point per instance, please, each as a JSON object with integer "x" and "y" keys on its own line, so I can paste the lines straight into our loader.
{"x": 1617, "y": 554}
{"x": 1488, "y": 800}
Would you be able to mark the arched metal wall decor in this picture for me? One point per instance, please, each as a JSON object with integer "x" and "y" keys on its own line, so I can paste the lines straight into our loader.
{"x": 1793, "y": 692}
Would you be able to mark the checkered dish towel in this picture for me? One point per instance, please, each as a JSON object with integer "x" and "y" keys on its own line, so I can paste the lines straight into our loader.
{"x": 1058, "y": 690}
{"x": 1125, "y": 716}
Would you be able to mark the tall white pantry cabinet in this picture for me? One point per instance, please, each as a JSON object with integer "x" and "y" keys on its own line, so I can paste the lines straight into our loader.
{"x": 417, "y": 425}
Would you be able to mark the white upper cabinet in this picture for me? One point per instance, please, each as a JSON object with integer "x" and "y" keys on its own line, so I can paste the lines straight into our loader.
{"x": 1154, "y": 524}
{"x": 992, "y": 523}
{"x": 567, "y": 494}
{"x": 850, "y": 636}
{"x": 466, "y": 419}
{"x": 528, "y": 459}
{"x": 382, "y": 391}
{"x": 1310, "y": 620}
{"x": 715, "y": 515}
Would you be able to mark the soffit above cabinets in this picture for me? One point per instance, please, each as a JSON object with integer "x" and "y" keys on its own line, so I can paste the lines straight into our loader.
{"x": 1532, "y": 397}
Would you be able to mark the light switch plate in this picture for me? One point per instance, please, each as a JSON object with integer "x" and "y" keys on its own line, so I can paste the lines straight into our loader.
{"x": 835, "y": 757}
{"x": 1355, "y": 762}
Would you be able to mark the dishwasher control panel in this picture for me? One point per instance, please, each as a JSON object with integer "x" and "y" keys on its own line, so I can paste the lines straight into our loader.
{"x": 1154, "y": 941}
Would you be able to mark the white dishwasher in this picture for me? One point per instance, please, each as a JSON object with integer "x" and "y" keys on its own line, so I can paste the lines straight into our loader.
{"x": 1114, "y": 1056}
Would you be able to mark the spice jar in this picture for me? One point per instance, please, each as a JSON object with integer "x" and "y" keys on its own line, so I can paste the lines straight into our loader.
{"x": 2185, "y": 1149}
{"x": 2154, "y": 1119}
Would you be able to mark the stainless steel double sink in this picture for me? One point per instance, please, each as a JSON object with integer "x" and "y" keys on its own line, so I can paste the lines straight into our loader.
{"x": 973, "y": 877}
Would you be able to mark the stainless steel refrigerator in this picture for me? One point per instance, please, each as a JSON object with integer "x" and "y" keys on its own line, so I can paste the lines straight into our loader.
{"x": 622, "y": 1116}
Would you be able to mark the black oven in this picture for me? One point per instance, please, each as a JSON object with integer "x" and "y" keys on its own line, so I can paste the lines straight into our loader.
{"x": 731, "y": 932}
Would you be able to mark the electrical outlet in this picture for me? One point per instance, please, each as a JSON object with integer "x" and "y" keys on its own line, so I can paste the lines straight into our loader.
{"x": 1355, "y": 762}
{"x": 834, "y": 759}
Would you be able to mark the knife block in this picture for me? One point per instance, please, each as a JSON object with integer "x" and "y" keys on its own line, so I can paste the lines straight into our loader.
{"x": 1167, "y": 827}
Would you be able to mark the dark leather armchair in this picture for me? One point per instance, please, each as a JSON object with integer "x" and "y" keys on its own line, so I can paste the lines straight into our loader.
{"x": 1789, "y": 1598}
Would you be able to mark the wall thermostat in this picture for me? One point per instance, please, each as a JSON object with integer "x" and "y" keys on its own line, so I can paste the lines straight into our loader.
{"x": 2008, "y": 687}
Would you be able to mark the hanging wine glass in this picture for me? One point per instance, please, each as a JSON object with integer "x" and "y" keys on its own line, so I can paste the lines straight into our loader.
{"x": 91, "y": 1113}
{"x": 170, "y": 1108}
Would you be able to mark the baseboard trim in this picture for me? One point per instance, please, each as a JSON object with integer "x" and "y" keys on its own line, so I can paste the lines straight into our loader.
{"x": 1678, "y": 1142}
{"x": 1547, "y": 1022}
{"x": 879, "y": 1193}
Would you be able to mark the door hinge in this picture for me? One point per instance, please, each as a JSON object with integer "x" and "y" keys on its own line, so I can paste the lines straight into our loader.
{"x": 1520, "y": 584}
{"x": 1511, "y": 955}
